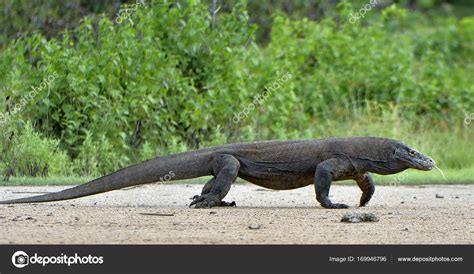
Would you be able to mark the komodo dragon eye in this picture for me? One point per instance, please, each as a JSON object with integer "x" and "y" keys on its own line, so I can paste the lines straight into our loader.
{"x": 411, "y": 153}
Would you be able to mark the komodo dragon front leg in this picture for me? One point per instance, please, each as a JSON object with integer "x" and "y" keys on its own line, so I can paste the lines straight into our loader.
{"x": 366, "y": 184}
{"x": 340, "y": 169}
{"x": 225, "y": 169}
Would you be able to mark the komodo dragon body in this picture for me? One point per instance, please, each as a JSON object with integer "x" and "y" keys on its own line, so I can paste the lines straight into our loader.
{"x": 276, "y": 165}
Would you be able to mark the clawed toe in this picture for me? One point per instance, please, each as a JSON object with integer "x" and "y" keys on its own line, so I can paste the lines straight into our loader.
{"x": 231, "y": 204}
{"x": 196, "y": 199}
{"x": 338, "y": 206}
{"x": 204, "y": 201}
{"x": 334, "y": 206}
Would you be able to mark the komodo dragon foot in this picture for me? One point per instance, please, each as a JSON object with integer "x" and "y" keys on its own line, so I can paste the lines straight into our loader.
{"x": 335, "y": 206}
{"x": 208, "y": 201}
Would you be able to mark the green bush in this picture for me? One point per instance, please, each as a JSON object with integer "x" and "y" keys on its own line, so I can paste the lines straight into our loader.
{"x": 172, "y": 77}
{"x": 31, "y": 154}
{"x": 150, "y": 79}
{"x": 96, "y": 157}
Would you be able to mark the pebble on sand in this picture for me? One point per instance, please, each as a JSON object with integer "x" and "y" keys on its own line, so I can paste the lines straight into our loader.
{"x": 357, "y": 217}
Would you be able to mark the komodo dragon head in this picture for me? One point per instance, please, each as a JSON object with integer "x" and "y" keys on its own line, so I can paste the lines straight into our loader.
{"x": 412, "y": 158}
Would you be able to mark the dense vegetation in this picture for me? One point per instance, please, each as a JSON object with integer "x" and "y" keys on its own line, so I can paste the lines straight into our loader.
{"x": 172, "y": 76}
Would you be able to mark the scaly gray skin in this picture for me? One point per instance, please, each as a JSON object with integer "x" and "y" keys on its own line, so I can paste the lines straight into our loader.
{"x": 271, "y": 164}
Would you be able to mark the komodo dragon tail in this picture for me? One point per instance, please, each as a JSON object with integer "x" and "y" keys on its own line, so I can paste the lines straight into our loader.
{"x": 183, "y": 166}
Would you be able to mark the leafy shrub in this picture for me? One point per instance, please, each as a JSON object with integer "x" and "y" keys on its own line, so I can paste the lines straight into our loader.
{"x": 171, "y": 77}
{"x": 31, "y": 154}
{"x": 96, "y": 158}
{"x": 152, "y": 79}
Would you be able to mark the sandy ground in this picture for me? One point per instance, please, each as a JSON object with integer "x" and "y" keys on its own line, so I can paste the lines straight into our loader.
{"x": 158, "y": 214}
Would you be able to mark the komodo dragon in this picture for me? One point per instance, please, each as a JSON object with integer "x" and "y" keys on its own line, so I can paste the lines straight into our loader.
{"x": 271, "y": 164}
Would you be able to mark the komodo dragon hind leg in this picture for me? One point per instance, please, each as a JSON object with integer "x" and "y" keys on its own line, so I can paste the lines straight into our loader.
{"x": 330, "y": 170}
{"x": 225, "y": 167}
{"x": 207, "y": 188}
{"x": 366, "y": 184}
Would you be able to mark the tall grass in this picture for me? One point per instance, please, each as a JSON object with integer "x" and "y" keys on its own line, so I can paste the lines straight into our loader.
{"x": 173, "y": 80}
{"x": 449, "y": 142}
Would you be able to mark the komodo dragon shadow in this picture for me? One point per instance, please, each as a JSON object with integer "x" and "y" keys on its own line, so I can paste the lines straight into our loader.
{"x": 276, "y": 165}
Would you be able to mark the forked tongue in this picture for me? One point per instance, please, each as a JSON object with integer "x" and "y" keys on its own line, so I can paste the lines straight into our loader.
{"x": 440, "y": 171}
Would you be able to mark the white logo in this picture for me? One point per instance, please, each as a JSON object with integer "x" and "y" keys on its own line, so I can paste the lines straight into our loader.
{"x": 20, "y": 259}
